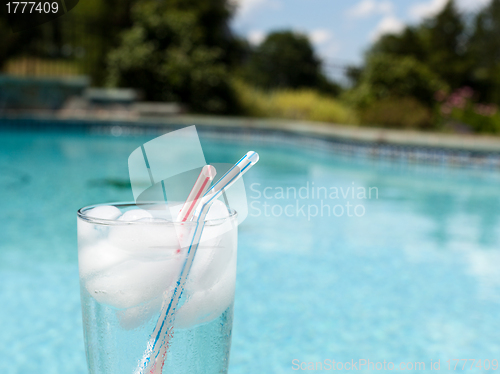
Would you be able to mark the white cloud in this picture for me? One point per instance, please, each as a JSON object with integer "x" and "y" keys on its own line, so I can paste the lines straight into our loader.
{"x": 256, "y": 37}
{"x": 430, "y": 8}
{"x": 320, "y": 36}
{"x": 247, "y": 7}
{"x": 472, "y": 5}
{"x": 427, "y": 9}
{"x": 388, "y": 25}
{"x": 367, "y": 8}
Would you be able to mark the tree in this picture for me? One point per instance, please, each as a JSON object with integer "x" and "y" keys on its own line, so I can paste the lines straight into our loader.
{"x": 15, "y": 43}
{"x": 408, "y": 43}
{"x": 445, "y": 41}
{"x": 485, "y": 47}
{"x": 284, "y": 60}
{"x": 387, "y": 76}
{"x": 353, "y": 74}
{"x": 395, "y": 91}
{"x": 177, "y": 50}
{"x": 440, "y": 42}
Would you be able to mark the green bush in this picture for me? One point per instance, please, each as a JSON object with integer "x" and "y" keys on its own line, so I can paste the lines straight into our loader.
{"x": 407, "y": 113}
{"x": 461, "y": 108}
{"x": 480, "y": 123}
{"x": 302, "y": 104}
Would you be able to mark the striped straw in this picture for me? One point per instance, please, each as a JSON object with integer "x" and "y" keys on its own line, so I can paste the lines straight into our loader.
{"x": 164, "y": 326}
{"x": 199, "y": 189}
{"x": 201, "y": 185}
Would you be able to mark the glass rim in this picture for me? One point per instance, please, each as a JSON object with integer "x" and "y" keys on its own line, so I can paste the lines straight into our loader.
{"x": 108, "y": 222}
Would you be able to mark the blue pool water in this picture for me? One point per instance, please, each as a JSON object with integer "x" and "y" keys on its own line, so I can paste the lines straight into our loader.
{"x": 416, "y": 278}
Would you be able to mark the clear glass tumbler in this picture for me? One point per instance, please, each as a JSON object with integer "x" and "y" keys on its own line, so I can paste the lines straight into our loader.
{"x": 129, "y": 263}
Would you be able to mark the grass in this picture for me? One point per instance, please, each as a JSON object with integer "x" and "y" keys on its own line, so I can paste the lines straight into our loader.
{"x": 302, "y": 104}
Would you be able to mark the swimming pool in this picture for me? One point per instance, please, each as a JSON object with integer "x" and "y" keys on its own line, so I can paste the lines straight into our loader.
{"x": 411, "y": 276}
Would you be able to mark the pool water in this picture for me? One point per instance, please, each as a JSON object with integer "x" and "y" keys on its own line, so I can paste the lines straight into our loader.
{"x": 410, "y": 274}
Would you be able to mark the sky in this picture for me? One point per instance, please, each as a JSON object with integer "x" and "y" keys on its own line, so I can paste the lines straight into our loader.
{"x": 340, "y": 30}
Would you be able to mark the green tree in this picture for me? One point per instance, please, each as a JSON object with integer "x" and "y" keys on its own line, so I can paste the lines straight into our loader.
{"x": 15, "y": 43}
{"x": 395, "y": 91}
{"x": 177, "y": 50}
{"x": 388, "y": 76}
{"x": 485, "y": 49}
{"x": 284, "y": 60}
{"x": 440, "y": 42}
{"x": 353, "y": 74}
{"x": 446, "y": 44}
{"x": 11, "y": 42}
{"x": 408, "y": 43}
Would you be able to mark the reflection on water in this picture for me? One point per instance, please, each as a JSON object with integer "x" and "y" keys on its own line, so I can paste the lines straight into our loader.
{"x": 110, "y": 182}
{"x": 13, "y": 178}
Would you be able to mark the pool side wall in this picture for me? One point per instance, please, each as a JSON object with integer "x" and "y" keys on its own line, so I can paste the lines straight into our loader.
{"x": 408, "y": 146}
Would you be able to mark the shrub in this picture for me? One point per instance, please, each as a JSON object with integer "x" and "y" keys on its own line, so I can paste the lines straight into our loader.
{"x": 404, "y": 112}
{"x": 302, "y": 104}
{"x": 461, "y": 107}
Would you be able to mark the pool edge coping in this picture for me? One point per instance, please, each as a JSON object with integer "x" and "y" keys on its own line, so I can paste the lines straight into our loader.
{"x": 323, "y": 130}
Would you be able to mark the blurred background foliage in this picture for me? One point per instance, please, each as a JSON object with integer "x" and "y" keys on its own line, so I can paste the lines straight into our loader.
{"x": 442, "y": 74}
{"x": 448, "y": 54}
{"x": 178, "y": 50}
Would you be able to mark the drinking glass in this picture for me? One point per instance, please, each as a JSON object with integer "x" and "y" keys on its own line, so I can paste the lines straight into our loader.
{"x": 130, "y": 258}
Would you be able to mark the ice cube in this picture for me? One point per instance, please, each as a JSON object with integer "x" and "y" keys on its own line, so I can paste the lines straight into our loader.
{"x": 135, "y": 215}
{"x": 134, "y": 317}
{"x": 104, "y": 212}
{"x": 146, "y": 235}
{"x": 210, "y": 263}
{"x": 98, "y": 257}
{"x": 133, "y": 282}
{"x": 218, "y": 210}
{"x": 166, "y": 212}
{"x": 89, "y": 232}
{"x": 205, "y": 305}
{"x": 216, "y": 226}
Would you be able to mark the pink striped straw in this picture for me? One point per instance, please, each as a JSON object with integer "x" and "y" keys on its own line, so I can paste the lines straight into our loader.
{"x": 201, "y": 185}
